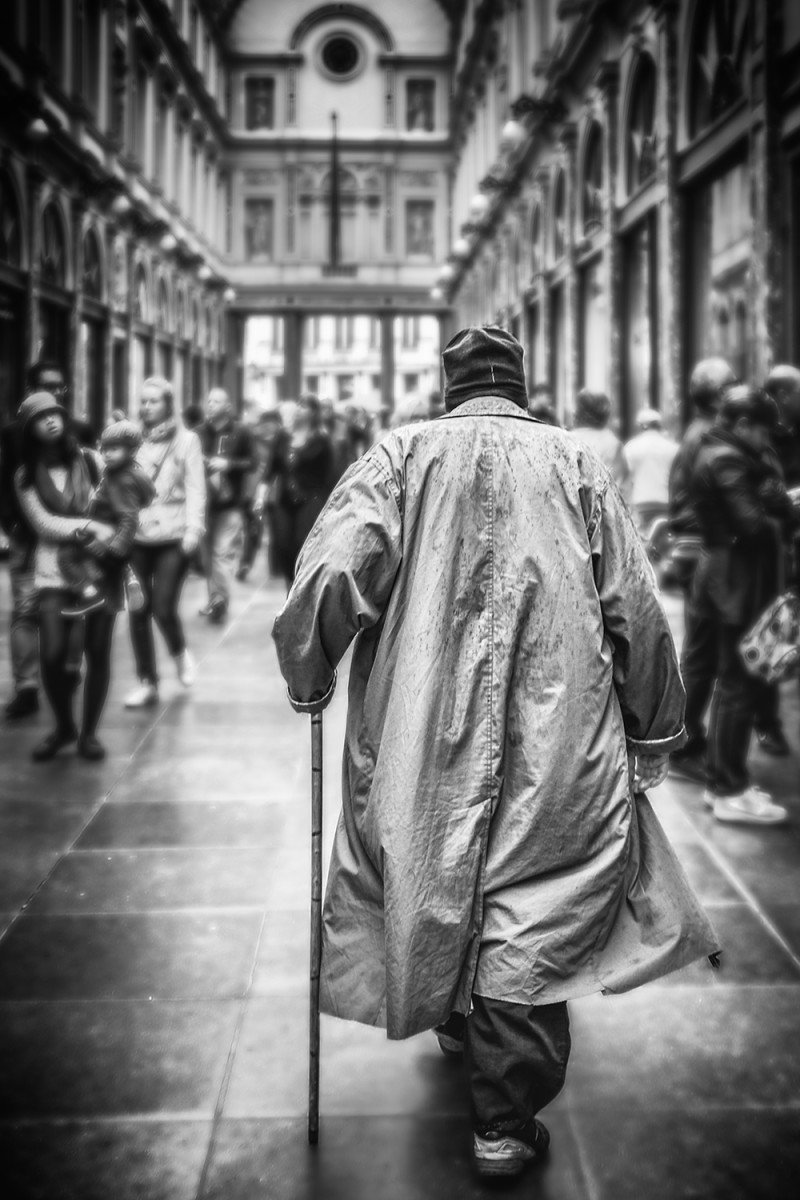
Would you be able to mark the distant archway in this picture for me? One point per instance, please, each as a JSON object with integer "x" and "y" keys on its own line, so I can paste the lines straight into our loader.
{"x": 339, "y": 12}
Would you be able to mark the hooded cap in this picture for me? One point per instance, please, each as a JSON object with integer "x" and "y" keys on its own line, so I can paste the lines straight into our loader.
{"x": 38, "y": 404}
{"x": 483, "y": 361}
{"x": 121, "y": 433}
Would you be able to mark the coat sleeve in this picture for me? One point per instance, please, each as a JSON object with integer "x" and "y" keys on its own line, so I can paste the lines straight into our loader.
{"x": 344, "y": 576}
{"x": 646, "y": 674}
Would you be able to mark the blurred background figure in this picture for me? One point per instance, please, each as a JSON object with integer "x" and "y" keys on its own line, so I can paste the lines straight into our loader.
{"x": 649, "y": 455}
{"x": 591, "y": 426}
{"x": 435, "y": 405}
{"x": 192, "y": 416}
{"x": 229, "y": 455}
{"x": 302, "y": 475}
{"x": 409, "y": 409}
{"x": 266, "y": 431}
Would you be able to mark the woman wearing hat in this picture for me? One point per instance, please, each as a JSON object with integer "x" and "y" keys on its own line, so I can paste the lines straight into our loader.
{"x": 54, "y": 486}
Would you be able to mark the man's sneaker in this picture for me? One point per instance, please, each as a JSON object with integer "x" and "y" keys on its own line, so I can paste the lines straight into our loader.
{"x": 218, "y": 611}
{"x": 502, "y": 1154}
{"x": 773, "y": 741}
{"x": 205, "y": 611}
{"x": 688, "y": 766}
{"x": 184, "y": 664}
{"x": 750, "y": 807}
{"x": 143, "y": 696}
{"x": 24, "y": 704}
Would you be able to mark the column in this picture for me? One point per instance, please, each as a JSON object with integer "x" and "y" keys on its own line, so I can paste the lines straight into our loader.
{"x": 608, "y": 82}
{"x": 387, "y": 368}
{"x": 35, "y": 181}
{"x": 671, "y": 368}
{"x": 447, "y": 330}
{"x": 292, "y": 355}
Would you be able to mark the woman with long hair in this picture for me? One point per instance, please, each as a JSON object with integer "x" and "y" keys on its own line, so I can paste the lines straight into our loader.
{"x": 170, "y": 529}
{"x": 54, "y": 486}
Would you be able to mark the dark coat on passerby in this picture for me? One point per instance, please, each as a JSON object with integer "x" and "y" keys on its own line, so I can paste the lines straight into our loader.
{"x": 300, "y": 481}
{"x": 233, "y": 442}
{"x": 12, "y": 518}
{"x": 741, "y": 509}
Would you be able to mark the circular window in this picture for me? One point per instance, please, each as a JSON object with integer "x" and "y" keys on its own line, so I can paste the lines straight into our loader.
{"x": 341, "y": 56}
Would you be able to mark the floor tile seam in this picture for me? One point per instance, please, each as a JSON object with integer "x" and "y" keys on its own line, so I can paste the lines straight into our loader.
{"x": 747, "y": 895}
{"x": 691, "y": 1107}
{"x": 227, "y": 1073}
{"x": 94, "y": 851}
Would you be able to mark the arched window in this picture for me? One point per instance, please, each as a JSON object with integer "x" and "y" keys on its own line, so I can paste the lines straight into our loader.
{"x": 593, "y": 182}
{"x": 141, "y": 303}
{"x": 162, "y": 313}
{"x": 642, "y": 133}
{"x": 181, "y": 315}
{"x": 559, "y": 217}
{"x": 718, "y": 67}
{"x": 92, "y": 282}
{"x": 53, "y": 257}
{"x": 10, "y": 224}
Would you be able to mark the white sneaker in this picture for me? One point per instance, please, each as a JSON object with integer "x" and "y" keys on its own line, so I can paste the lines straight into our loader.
{"x": 142, "y": 696}
{"x": 753, "y": 806}
{"x": 185, "y": 666}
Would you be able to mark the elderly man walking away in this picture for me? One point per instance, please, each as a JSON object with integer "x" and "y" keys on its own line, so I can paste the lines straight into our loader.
{"x": 229, "y": 454}
{"x": 513, "y": 689}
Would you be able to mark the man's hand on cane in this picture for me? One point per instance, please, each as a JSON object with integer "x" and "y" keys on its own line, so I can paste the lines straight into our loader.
{"x": 647, "y": 771}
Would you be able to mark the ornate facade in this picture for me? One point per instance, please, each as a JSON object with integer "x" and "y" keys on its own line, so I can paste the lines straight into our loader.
{"x": 625, "y": 177}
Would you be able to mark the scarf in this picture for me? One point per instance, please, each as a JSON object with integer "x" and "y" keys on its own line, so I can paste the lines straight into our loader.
{"x": 73, "y": 501}
{"x": 160, "y": 433}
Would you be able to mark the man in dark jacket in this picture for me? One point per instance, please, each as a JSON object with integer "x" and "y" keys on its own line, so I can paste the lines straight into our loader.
{"x": 229, "y": 457}
{"x": 709, "y": 379}
{"x": 740, "y": 505}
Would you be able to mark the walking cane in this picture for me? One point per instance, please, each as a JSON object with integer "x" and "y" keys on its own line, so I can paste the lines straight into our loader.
{"x": 316, "y": 926}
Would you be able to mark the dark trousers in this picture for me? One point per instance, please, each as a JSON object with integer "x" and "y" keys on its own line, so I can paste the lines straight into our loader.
{"x": 516, "y": 1059}
{"x": 253, "y": 536}
{"x": 57, "y": 651}
{"x": 731, "y": 717}
{"x": 162, "y": 571}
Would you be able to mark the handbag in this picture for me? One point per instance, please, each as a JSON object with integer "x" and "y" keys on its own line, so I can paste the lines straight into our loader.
{"x": 134, "y": 594}
{"x": 770, "y": 649}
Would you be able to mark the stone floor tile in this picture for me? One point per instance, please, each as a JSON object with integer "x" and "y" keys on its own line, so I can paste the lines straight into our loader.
{"x": 21, "y": 875}
{"x": 144, "y": 880}
{"x": 685, "y": 1048}
{"x": 109, "y": 1058}
{"x": 126, "y": 1160}
{"x": 394, "y": 1158}
{"x": 160, "y": 823}
{"x": 708, "y": 881}
{"x": 361, "y": 1072}
{"x": 787, "y": 919}
{"x": 282, "y": 966}
{"x": 154, "y": 956}
{"x": 712, "y": 1154}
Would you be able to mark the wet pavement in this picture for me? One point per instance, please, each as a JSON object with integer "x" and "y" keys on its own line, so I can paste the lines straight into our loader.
{"x": 153, "y": 979}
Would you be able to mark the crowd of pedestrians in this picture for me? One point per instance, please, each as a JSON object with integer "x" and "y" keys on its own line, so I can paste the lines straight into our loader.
{"x": 101, "y": 524}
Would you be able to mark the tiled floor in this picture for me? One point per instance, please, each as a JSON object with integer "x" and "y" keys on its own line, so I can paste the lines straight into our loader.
{"x": 153, "y": 981}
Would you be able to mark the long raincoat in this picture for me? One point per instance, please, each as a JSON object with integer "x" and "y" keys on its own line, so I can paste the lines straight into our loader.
{"x": 510, "y": 653}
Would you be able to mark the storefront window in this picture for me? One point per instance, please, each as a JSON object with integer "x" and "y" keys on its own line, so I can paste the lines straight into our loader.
{"x": 641, "y": 319}
{"x": 720, "y": 265}
{"x": 92, "y": 268}
{"x": 559, "y": 218}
